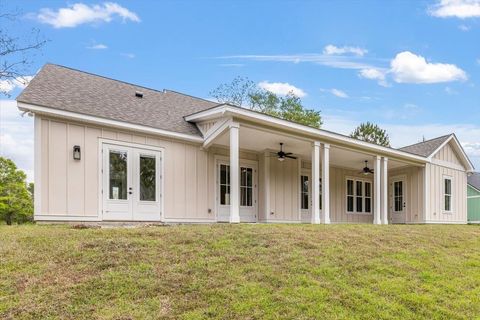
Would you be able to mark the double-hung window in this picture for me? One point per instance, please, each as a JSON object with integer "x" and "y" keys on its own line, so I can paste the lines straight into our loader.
{"x": 447, "y": 194}
{"x": 359, "y": 196}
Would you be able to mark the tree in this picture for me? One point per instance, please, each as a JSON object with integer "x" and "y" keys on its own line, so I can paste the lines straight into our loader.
{"x": 16, "y": 203}
{"x": 16, "y": 52}
{"x": 245, "y": 93}
{"x": 371, "y": 133}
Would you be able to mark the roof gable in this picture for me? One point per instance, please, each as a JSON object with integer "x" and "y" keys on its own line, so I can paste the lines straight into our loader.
{"x": 71, "y": 90}
{"x": 426, "y": 148}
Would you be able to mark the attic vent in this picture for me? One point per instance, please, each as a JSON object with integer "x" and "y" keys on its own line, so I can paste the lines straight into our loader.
{"x": 139, "y": 94}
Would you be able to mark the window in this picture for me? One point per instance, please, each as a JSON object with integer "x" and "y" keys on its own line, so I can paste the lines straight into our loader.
{"x": 447, "y": 194}
{"x": 224, "y": 184}
{"x": 147, "y": 178}
{"x": 304, "y": 192}
{"x": 359, "y": 196}
{"x": 246, "y": 186}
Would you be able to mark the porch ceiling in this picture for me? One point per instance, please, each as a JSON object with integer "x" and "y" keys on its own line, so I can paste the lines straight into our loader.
{"x": 259, "y": 140}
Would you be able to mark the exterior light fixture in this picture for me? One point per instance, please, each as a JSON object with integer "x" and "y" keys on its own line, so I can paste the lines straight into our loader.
{"x": 76, "y": 153}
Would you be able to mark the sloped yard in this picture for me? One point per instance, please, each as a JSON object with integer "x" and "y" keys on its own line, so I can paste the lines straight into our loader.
{"x": 240, "y": 272}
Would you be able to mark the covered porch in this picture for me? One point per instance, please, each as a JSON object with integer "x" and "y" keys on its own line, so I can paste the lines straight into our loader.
{"x": 356, "y": 183}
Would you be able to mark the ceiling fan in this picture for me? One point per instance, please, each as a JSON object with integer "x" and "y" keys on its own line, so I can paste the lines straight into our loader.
{"x": 283, "y": 155}
{"x": 366, "y": 170}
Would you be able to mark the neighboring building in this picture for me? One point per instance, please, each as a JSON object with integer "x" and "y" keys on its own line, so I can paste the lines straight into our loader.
{"x": 473, "y": 195}
{"x": 107, "y": 150}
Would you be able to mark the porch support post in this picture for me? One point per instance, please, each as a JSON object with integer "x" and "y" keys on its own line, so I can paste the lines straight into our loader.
{"x": 385, "y": 190}
{"x": 234, "y": 173}
{"x": 325, "y": 183}
{"x": 315, "y": 184}
{"x": 377, "y": 191}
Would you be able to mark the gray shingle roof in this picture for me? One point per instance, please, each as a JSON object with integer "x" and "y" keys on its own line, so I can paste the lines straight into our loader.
{"x": 474, "y": 180}
{"x": 425, "y": 148}
{"x": 72, "y": 90}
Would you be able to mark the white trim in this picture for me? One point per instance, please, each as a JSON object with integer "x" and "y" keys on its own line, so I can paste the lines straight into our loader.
{"x": 279, "y": 221}
{"x": 377, "y": 194}
{"x": 266, "y": 186}
{"x": 315, "y": 200}
{"x": 107, "y": 122}
{"x": 325, "y": 183}
{"x": 384, "y": 192}
{"x": 225, "y": 109}
{"x": 426, "y": 192}
{"x": 37, "y": 167}
{"x": 459, "y": 147}
{"x": 473, "y": 197}
{"x": 218, "y": 129}
{"x": 468, "y": 184}
{"x": 188, "y": 220}
{"x": 446, "y": 222}
{"x": 65, "y": 218}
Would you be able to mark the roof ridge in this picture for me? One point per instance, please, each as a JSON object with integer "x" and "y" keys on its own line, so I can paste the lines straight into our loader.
{"x": 125, "y": 82}
{"x": 429, "y": 140}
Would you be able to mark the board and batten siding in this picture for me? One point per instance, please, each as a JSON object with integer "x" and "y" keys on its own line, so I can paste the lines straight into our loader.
{"x": 436, "y": 174}
{"x": 70, "y": 189}
{"x": 473, "y": 205}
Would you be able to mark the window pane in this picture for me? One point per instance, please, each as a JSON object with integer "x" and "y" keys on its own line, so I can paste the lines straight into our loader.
{"x": 243, "y": 196}
{"x": 118, "y": 175}
{"x": 249, "y": 197}
{"x": 304, "y": 201}
{"x": 250, "y": 177}
{"x": 398, "y": 204}
{"x": 359, "y": 188}
{"x": 359, "y": 204}
{"x": 223, "y": 174}
{"x": 448, "y": 186}
{"x": 368, "y": 205}
{"x": 350, "y": 187}
{"x": 448, "y": 204}
{"x": 368, "y": 189}
{"x": 350, "y": 204}
{"x": 147, "y": 178}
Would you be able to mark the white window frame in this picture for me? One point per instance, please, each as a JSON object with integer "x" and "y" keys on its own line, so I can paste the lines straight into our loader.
{"x": 444, "y": 194}
{"x": 364, "y": 182}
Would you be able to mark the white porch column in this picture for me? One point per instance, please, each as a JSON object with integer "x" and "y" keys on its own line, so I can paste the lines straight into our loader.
{"x": 384, "y": 190}
{"x": 314, "y": 183}
{"x": 234, "y": 173}
{"x": 325, "y": 183}
{"x": 377, "y": 191}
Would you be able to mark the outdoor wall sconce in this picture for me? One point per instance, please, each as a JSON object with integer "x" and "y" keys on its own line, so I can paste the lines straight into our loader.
{"x": 76, "y": 153}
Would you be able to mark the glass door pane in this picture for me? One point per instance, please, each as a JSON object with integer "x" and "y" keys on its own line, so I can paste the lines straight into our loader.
{"x": 118, "y": 175}
{"x": 148, "y": 179}
{"x": 224, "y": 184}
{"x": 246, "y": 186}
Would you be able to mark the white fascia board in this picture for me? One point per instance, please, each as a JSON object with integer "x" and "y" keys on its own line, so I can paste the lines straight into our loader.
{"x": 216, "y": 131}
{"x": 227, "y": 110}
{"x": 106, "y": 122}
{"x": 458, "y": 145}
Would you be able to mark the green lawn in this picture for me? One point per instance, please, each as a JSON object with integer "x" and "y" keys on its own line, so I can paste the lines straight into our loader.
{"x": 240, "y": 272}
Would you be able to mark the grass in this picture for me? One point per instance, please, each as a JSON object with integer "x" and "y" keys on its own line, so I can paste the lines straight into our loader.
{"x": 240, "y": 272}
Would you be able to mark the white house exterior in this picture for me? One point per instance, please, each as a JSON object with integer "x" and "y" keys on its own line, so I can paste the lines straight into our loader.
{"x": 107, "y": 150}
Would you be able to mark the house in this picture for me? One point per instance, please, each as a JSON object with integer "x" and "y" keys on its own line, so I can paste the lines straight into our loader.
{"x": 473, "y": 195}
{"x": 106, "y": 150}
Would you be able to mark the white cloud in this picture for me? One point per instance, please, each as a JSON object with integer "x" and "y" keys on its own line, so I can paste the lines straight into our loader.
{"x": 407, "y": 67}
{"x": 16, "y": 136}
{"x": 464, "y": 28}
{"x": 99, "y": 46}
{"x": 11, "y": 84}
{"x": 333, "y": 61}
{"x": 336, "y": 92}
{"x": 374, "y": 74}
{"x": 282, "y": 88}
{"x": 79, "y": 13}
{"x": 456, "y": 9}
{"x": 128, "y": 55}
{"x": 334, "y": 50}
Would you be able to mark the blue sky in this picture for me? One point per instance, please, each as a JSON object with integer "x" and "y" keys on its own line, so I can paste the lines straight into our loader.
{"x": 411, "y": 66}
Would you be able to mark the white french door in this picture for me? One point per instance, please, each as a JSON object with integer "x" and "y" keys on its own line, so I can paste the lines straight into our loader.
{"x": 131, "y": 183}
{"x": 398, "y": 200}
{"x": 248, "y": 191}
